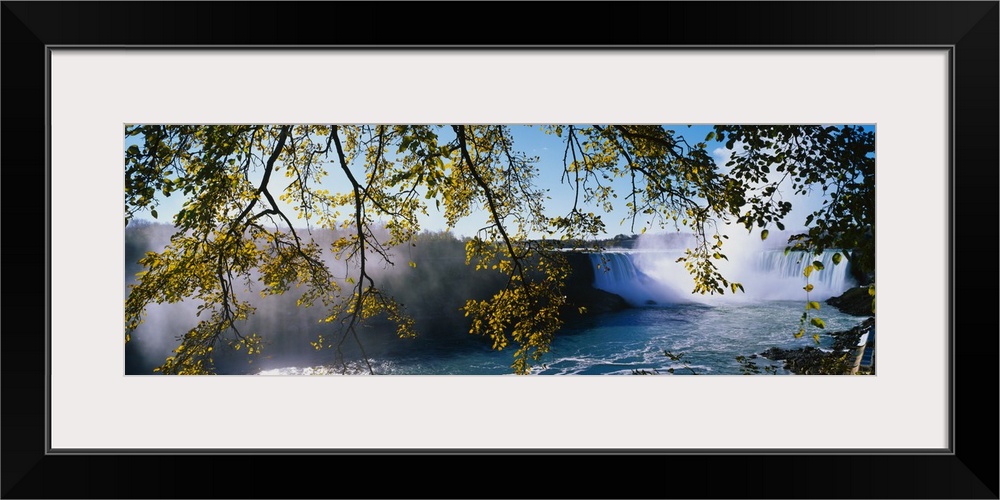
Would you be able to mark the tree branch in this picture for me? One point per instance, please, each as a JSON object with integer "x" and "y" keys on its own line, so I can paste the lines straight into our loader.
{"x": 488, "y": 193}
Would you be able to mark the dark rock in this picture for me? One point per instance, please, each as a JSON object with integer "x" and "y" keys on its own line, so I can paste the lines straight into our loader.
{"x": 856, "y": 302}
{"x": 813, "y": 361}
{"x": 580, "y": 291}
{"x": 862, "y": 261}
{"x": 848, "y": 340}
{"x": 595, "y": 301}
{"x": 804, "y": 361}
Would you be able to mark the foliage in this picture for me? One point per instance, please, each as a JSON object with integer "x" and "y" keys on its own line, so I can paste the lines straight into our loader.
{"x": 677, "y": 358}
{"x": 233, "y": 237}
{"x": 674, "y": 357}
{"x": 838, "y": 359}
{"x": 748, "y": 366}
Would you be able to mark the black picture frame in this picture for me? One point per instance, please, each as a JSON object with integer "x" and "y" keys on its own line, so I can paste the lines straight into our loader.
{"x": 969, "y": 470}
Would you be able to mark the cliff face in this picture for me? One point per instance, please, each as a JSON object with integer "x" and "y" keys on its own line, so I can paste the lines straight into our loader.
{"x": 856, "y": 302}
{"x": 580, "y": 291}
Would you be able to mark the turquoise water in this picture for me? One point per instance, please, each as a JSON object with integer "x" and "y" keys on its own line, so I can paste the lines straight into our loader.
{"x": 708, "y": 338}
{"x": 707, "y": 332}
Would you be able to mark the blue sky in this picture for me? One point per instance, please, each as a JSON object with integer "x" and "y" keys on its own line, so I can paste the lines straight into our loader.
{"x": 549, "y": 149}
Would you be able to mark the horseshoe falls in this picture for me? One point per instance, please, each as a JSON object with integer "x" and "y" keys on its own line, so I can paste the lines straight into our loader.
{"x": 652, "y": 278}
{"x": 707, "y": 331}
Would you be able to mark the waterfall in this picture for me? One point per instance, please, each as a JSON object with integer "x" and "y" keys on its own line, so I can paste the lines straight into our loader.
{"x": 833, "y": 279}
{"x": 645, "y": 278}
{"x": 618, "y": 273}
{"x": 614, "y": 271}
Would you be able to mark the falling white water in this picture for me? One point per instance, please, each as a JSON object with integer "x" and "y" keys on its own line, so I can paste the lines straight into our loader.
{"x": 617, "y": 272}
{"x": 646, "y": 278}
{"x": 833, "y": 279}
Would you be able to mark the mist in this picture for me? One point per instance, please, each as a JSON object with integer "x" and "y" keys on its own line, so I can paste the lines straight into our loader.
{"x": 433, "y": 293}
{"x": 649, "y": 274}
{"x": 645, "y": 273}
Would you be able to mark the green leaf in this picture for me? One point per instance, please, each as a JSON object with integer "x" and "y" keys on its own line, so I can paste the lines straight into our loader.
{"x": 808, "y": 270}
{"x": 808, "y": 287}
{"x": 781, "y": 226}
{"x": 787, "y": 250}
{"x": 818, "y": 265}
{"x": 818, "y": 322}
{"x": 763, "y": 235}
{"x": 871, "y": 291}
{"x": 836, "y": 258}
{"x": 154, "y": 214}
{"x": 812, "y": 305}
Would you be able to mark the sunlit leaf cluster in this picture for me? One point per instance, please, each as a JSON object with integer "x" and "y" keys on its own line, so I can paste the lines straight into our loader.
{"x": 253, "y": 193}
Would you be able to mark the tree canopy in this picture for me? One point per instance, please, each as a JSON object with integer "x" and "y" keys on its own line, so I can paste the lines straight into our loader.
{"x": 252, "y": 194}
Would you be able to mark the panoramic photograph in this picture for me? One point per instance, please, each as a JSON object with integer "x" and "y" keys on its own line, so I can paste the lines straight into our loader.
{"x": 499, "y": 249}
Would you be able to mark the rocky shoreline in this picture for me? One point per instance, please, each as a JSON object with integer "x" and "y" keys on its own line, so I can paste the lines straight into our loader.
{"x": 812, "y": 361}
{"x": 841, "y": 359}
